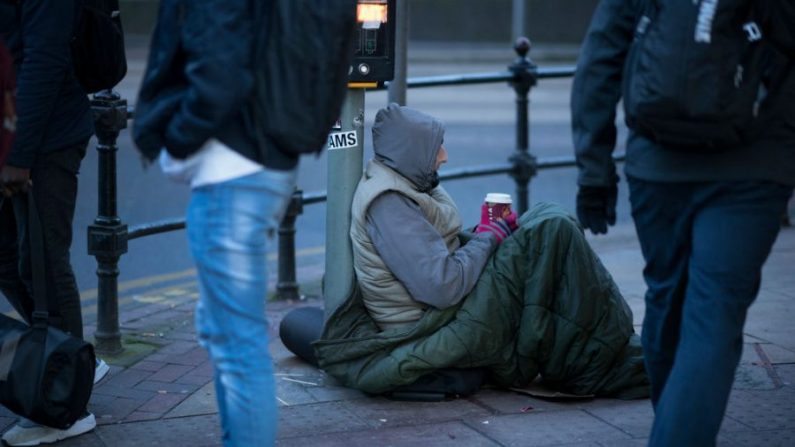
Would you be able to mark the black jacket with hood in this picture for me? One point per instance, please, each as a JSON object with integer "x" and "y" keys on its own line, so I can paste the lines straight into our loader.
{"x": 597, "y": 90}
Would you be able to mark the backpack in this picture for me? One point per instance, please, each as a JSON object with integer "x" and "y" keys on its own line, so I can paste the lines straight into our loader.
{"x": 98, "y": 53}
{"x": 695, "y": 71}
{"x": 301, "y": 62}
{"x": 8, "y": 116}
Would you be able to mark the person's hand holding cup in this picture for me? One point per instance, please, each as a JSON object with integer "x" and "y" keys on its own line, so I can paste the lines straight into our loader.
{"x": 496, "y": 216}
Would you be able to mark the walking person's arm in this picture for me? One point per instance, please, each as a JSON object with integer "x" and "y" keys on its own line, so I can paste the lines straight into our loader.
{"x": 217, "y": 38}
{"x": 46, "y": 31}
{"x": 595, "y": 94}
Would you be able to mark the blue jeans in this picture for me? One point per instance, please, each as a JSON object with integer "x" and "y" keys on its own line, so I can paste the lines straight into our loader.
{"x": 230, "y": 226}
{"x": 704, "y": 246}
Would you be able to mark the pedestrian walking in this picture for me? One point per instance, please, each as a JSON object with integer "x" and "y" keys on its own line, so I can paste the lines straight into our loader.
{"x": 52, "y": 128}
{"x": 197, "y": 117}
{"x": 710, "y": 164}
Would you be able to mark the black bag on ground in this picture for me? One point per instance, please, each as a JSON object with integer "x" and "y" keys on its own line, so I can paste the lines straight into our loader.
{"x": 303, "y": 326}
{"x": 695, "y": 74}
{"x": 98, "y": 53}
{"x": 301, "y": 72}
{"x": 46, "y": 375}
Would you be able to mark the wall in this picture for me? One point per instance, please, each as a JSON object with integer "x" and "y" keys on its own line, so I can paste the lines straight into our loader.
{"x": 546, "y": 21}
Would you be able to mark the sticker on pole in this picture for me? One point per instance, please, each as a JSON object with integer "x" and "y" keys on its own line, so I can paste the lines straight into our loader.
{"x": 342, "y": 140}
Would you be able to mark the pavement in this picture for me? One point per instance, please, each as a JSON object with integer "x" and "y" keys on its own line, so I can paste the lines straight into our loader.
{"x": 160, "y": 391}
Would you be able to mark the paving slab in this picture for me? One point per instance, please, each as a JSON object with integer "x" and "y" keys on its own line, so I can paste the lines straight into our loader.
{"x": 164, "y": 395}
{"x": 194, "y": 431}
{"x": 548, "y": 429}
{"x": 448, "y": 434}
{"x": 201, "y": 402}
{"x": 324, "y": 417}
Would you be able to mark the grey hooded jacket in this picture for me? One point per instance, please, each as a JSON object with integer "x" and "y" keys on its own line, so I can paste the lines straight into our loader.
{"x": 406, "y": 235}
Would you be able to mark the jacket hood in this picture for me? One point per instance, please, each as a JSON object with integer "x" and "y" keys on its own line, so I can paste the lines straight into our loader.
{"x": 408, "y": 141}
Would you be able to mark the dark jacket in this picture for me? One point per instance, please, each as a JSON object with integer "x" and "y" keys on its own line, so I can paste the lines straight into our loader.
{"x": 198, "y": 80}
{"x": 52, "y": 108}
{"x": 597, "y": 90}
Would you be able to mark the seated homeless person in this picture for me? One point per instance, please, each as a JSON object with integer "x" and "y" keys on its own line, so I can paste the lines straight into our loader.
{"x": 534, "y": 302}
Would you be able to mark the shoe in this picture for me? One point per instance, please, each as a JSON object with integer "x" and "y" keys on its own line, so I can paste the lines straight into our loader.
{"x": 27, "y": 432}
{"x": 101, "y": 370}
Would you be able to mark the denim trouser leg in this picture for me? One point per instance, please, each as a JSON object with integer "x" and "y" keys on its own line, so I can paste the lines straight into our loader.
{"x": 704, "y": 245}
{"x": 230, "y": 225}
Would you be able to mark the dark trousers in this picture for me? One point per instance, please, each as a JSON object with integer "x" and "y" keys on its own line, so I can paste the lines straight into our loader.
{"x": 704, "y": 246}
{"x": 54, "y": 187}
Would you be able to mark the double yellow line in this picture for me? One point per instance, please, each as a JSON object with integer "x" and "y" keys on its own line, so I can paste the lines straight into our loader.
{"x": 150, "y": 284}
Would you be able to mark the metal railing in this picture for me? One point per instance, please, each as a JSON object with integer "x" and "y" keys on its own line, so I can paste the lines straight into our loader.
{"x": 108, "y": 235}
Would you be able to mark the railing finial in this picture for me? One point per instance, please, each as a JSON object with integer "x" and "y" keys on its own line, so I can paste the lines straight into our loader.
{"x": 522, "y": 46}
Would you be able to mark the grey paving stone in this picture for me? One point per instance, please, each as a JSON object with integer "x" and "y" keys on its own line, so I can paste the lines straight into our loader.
{"x": 316, "y": 419}
{"x": 126, "y": 378}
{"x": 626, "y": 443}
{"x": 731, "y": 425}
{"x": 162, "y": 402}
{"x": 180, "y": 388}
{"x": 196, "y": 431}
{"x": 787, "y": 375}
{"x": 201, "y": 402}
{"x": 451, "y": 434}
{"x": 752, "y": 376}
{"x": 294, "y": 393}
{"x": 114, "y": 411}
{"x": 128, "y": 392}
{"x": 771, "y": 316}
{"x": 766, "y": 438}
{"x": 633, "y": 417}
{"x": 778, "y": 355}
{"x": 547, "y": 429}
{"x": 170, "y": 373}
{"x": 378, "y": 411}
{"x": 509, "y": 402}
{"x": 146, "y": 365}
{"x": 763, "y": 410}
{"x": 89, "y": 439}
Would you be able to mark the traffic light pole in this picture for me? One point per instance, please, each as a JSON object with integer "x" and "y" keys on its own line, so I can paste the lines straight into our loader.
{"x": 345, "y": 161}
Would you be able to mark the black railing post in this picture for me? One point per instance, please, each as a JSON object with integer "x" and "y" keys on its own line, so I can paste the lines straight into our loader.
{"x": 107, "y": 237}
{"x": 524, "y": 163}
{"x": 287, "y": 286}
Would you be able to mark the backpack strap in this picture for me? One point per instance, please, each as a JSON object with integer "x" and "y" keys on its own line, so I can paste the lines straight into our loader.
{"x": 37, "y": 256}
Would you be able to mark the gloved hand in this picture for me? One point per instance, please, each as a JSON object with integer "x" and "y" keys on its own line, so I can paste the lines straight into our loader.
{"x": 500, "y": 227}
{"x": 596, "y": 207}
{"x": 511, "y": 221}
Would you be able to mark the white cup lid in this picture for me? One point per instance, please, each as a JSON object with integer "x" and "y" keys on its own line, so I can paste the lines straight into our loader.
{"x": 498, "y": 197}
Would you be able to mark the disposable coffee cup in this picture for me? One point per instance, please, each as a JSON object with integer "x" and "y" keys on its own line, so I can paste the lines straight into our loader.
{"x": 499, "y": 205}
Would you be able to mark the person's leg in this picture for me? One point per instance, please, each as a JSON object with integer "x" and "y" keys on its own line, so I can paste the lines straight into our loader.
{"x": 230, "y": 226}
{"x": 662, "y": 215}
{"x": 732, "y": 235}
{"x": 54, "y": 178}
{"x": 11, "y": 284}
